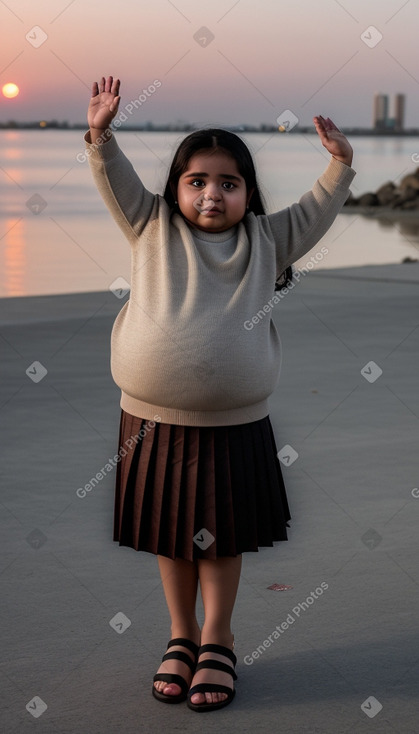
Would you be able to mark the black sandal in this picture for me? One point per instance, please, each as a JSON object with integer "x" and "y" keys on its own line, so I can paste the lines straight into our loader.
{"x": 213, "y": 687}
{"x": 174, "y": 677}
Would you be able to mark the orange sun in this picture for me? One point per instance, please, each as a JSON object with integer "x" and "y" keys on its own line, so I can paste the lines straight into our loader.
{"x": 10, "y": 90}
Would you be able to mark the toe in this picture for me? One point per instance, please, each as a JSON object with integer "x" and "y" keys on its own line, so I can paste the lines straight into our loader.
{"x": 198, "y": 698}
{"x": 171, "y": 689}
{"x": 218, "y": 697}
{"x": 208, "y": 697}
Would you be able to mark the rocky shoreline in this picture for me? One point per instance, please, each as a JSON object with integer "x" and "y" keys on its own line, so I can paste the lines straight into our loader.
{"x": 389, "y": 198}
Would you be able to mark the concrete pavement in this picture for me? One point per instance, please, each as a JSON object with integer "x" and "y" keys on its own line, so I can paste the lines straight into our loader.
{"x": 84, "y": 621}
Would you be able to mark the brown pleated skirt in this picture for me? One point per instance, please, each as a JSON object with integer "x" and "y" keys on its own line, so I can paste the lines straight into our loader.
{"x": 198, "y": 492}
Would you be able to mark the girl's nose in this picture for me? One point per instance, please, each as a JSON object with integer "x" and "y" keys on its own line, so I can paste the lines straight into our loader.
{"x": 212, "y": 192}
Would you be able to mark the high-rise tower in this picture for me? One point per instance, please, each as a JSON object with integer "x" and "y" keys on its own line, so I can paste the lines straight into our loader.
{"x": 399, "y": 109}
{"x": 380, "y": 116}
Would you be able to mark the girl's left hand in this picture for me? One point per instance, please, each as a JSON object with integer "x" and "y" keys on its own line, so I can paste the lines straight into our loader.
{"x": 333, "y": 139}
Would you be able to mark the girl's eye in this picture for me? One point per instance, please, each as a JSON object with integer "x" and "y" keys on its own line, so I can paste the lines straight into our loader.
{"x": 228, "y": 185}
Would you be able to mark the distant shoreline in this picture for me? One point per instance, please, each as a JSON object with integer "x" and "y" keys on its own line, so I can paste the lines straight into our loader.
{"x": 382, "y": 212}
{"x": 150, "y": 127}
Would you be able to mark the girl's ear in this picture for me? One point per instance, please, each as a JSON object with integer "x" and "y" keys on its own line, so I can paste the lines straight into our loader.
{"x": 249, "y": 196}
{"x": 173, "y": 189}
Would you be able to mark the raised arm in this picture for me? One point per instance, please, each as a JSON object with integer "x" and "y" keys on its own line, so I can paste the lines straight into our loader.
{"x": 299, "y": 227}
{"x": 122, "y": 190}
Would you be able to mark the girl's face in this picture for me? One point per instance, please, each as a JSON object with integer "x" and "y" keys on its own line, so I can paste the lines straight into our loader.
{"x": 211, "y": 193}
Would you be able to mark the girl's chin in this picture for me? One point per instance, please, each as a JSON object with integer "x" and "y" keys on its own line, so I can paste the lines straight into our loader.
{"x": 210, "y": 224}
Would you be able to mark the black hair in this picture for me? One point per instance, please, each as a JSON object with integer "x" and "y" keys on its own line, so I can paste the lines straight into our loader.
{"x": 216, "y": 139}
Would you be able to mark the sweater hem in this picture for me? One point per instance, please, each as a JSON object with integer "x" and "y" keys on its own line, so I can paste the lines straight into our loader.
{"x": 174, "y": 416}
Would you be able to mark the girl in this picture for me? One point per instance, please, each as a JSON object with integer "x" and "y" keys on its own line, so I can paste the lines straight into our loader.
{"x": 201, "y": 483}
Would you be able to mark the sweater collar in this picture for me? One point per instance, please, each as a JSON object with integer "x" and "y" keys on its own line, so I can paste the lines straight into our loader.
{"x": 199, "y": 234}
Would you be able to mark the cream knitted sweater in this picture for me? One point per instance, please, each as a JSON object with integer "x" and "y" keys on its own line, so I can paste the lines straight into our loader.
{"x": 181, "y": 346}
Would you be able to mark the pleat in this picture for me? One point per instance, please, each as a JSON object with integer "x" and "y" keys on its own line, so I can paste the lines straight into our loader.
{"x": 129, "y": 427}
{"x": 264, "y": 515}
{"x": 205, "y": 511}
{"x": 120, "y": 485}
{"x": 138, "y": 477}
{"x": 242, "y": 502}
{"x": 251, "y": 486}
{"x": 187, "y": 504}
{"x": 152, "y": 520}
{"x": 280, "y": 512}
{"x": 167, "y": 539}
{"x": 225, "y": 525}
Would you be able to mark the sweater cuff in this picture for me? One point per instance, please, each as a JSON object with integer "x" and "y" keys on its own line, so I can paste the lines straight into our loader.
{"x": 338, "y": 173}
{"x": 103, "y": 152}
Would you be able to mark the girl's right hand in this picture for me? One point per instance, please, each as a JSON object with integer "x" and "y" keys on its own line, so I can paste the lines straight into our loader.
{"x": 104, "y": 103}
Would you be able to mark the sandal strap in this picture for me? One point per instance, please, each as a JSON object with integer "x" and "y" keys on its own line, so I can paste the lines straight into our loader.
{"x": 216, "y": 665}
{"x": 172, "y": 678}
{"x": 220, "y": 650}
{"x": 182, "y": 656}
{"x": 192, "y": 646}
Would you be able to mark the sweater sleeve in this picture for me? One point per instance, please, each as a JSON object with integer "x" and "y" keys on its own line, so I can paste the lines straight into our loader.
{"x": 296, "y": 229}
{"x": 122, "y": 190}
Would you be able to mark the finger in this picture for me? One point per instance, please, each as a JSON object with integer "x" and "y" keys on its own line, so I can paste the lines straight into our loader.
{"x": 114, "y": 106}
{"x": 328, "y": 124}
{"x": 95, "y": 89}
{"x": 332, "y": 125}
{"x": 320, "y": 126}
{"x": 108, "y": 85}
{"x": 115, "y": 87}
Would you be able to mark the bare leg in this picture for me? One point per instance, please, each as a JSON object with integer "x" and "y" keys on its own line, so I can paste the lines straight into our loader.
{"x": 219, "y": 582}
{"x": 180, "y": 583}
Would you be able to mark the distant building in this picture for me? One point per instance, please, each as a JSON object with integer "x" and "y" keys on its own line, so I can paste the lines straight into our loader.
{"x": 380, "y": 116}
{"x": 399, "y": 110}
{"x": 381, "y": 119}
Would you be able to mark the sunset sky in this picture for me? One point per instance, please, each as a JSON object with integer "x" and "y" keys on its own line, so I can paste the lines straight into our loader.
{"x": 249, "y": 60}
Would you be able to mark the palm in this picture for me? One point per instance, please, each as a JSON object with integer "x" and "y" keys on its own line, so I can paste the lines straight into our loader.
{"x": 332, "y": 138}
{"x": 104, "y": 103}
{"x": 336, "y": 142}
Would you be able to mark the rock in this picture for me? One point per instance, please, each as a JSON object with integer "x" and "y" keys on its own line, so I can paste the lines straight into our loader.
{"x": 369, "y": 199}
{"x": 412, "y": 205}
{"x": 351, "y": 200}
{"x": 407, "y": 196}
{"x": 410, "y": 181}
{"x": 390, "y": 196}
{"x": 385, "y": 194}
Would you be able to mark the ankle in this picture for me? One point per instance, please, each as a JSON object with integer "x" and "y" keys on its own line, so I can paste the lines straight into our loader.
{"x": 188, "y": 631}
{"x": 216, "y": 635}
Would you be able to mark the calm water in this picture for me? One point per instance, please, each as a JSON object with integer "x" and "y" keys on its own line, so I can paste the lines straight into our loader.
{"x": 56, "y": 235}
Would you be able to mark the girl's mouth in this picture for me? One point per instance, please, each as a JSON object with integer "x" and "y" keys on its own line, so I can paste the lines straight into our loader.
{"x": 212, "y": 210}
